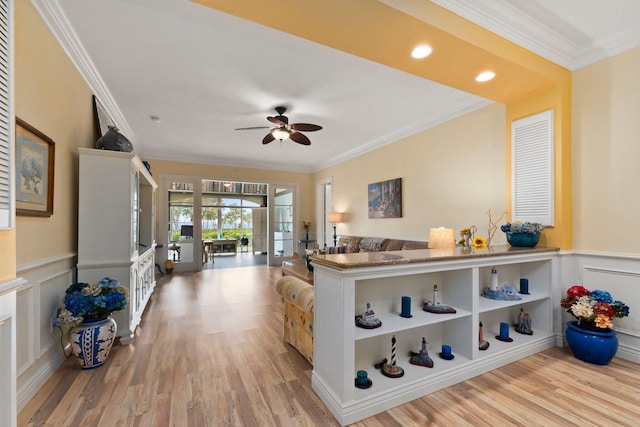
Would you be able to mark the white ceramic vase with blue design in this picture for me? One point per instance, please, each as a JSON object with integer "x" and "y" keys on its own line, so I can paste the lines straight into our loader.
{"x": 91, "y": 341}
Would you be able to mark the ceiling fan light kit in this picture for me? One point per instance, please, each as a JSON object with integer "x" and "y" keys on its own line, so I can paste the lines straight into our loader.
{"x": 283, "y": 130}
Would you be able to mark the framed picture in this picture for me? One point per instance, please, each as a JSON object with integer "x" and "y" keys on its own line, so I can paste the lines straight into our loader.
{"x": 35, "y": 159}
{"x": 385, "y": 199}
{"x": 104, "y": 119}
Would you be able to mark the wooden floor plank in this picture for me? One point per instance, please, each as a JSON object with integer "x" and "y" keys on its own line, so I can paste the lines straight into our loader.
{"x": 209, "y": 353}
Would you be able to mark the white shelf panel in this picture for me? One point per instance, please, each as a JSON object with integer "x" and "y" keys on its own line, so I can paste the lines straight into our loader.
{"x": 382, "y": 385}
{"x": 497, "y": 347}
{"x": 392, "y": 322}
{"x": 487, "y": 304}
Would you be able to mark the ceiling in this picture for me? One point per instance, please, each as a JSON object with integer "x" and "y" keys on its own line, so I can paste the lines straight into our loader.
{"x": 204, "y": 73}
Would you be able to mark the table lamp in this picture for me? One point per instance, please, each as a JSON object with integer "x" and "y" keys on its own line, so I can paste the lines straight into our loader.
{"x": 335, "y": 218}
{"x": 441, "y": 238}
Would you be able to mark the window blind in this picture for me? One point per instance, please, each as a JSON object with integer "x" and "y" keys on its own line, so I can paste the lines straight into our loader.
{"x": 6, "y": 117}
{"x": 532, "y": 169}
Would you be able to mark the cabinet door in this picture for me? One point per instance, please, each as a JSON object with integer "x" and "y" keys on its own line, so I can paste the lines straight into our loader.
{"x": 282, "y": 223}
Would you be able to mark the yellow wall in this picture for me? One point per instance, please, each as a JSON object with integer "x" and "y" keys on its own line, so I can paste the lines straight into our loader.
{"x": 232, "y": 173}
{"x": 51, "y": 95}
{"x": 451, "y": 175}
{"x": 8, "y": 258}
{"x": 606, "y": 153}
{"x": 557, "y": 99}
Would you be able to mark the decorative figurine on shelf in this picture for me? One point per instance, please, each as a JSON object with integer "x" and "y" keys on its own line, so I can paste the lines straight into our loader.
{"x": 368, "y": 319}
{"x": 390, "y": 370}
{"x": 505, "y": 293}
{"x": 482, "y": 344}
{"x": 422, "y": 358}
{"x": 524, "y": 323}
{"x": 434, "y": 305}
{"x": 114, "y": 140}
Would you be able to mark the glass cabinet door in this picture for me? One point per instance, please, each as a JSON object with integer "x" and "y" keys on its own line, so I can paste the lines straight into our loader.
{"x": 282, "y": 223}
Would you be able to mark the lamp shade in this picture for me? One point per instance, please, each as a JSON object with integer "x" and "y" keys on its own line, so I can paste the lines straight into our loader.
{"x": 441, "y": 238}
{"x": 336, "y": 217}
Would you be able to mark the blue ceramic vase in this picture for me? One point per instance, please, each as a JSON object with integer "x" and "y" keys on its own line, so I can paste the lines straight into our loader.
{"x": 591, "y": 346}
{"x": 91, "y": 341}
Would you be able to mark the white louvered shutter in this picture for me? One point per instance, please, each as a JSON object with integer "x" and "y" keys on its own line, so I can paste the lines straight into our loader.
{"x": 6, "y": 116}
{"x": 532, "y": 169}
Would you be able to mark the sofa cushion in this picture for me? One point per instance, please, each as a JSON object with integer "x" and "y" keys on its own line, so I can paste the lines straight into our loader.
{"x": 415, "y": 245}
{"x": 296, "y": 291}
{"x": 395, "y": 244}
{"x": 373, "y": 244}
{"x": 352, "y": 243}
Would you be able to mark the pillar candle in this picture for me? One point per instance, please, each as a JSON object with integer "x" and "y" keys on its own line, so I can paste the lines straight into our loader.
{"x": 504, "y": 330}
{"x": 406, "y": 307}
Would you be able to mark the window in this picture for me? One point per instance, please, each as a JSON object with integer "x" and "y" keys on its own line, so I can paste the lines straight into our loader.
{"x": 6, "y": 115}
{"x": 532, "y": 169}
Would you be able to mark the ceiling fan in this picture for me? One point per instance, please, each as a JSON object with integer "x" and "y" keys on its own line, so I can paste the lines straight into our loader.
{"x": 283, "y": 130}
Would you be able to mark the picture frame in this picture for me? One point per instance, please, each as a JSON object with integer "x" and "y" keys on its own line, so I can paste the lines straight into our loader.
{"x": 385, "y": 199}
{"x": 103, "y": 118}
{"x": 35, "y": 161}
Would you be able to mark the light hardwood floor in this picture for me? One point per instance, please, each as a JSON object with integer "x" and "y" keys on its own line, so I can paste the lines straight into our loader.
{"x": 209, "y": 353}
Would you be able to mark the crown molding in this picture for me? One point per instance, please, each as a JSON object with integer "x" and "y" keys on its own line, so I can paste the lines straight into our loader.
{"x": 507, "y": 21}
{"x": 53, "y": 15}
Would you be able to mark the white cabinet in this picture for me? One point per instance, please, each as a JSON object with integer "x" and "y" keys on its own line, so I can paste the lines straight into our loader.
{"x": 344, "y": 284}
{"x": 116, "y": 236}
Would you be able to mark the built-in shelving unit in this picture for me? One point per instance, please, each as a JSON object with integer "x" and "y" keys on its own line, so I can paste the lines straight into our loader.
{"x": 345, "y": 283}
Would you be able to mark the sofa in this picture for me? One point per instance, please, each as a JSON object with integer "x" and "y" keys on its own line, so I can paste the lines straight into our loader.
{"x": 296, "y": 288}
{"x": 298, "y": 314}
{"x": 351, "y": 244}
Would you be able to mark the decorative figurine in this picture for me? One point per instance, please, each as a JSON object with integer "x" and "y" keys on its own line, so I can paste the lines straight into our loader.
{"x": 524, "y": 323}
{"x": 505, "y": 293}
{"x": 482, "y": 344}
{"x": 422, "y": 358}
{"x": 368, "y": 319}
{"x": 434, "y": 306}
{"x": 390, "y": 370}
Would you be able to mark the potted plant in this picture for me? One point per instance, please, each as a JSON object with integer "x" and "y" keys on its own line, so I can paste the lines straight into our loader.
{"x": 591, "y": 337}
{"x": 524, "y": 234}
{"x": 86, "y": 312}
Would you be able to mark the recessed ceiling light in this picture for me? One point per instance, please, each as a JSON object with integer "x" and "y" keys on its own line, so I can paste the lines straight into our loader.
{"x": 421, "y": 51}
{"x": 485, "y": 76}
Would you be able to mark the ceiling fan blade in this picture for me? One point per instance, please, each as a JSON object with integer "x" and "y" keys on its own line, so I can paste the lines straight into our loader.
{"x": 299, "y": 138}
{"x": 253, "y": 127}
{"x": 267, "y": 139}
{"x": 276, "y": 121}
{"x": 305, "y": 127}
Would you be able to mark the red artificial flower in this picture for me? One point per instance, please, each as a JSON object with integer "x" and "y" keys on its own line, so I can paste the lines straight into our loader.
{"x": 604, "y": 308}
{"x": 577, "y": 291}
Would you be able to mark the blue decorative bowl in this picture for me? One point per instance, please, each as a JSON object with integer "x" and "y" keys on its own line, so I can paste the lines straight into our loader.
{"x": 526, "y": 240}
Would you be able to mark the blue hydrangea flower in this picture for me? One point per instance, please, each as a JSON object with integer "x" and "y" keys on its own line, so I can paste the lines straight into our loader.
{"x": 602, "y": 296}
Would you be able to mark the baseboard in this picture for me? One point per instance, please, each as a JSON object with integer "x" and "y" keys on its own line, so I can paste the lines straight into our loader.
{"x": 40, "y": 374}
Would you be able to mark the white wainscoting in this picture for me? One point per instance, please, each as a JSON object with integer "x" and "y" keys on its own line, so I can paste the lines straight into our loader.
{"x": 38, "y": 352}
{"x": 620, "y": 275}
